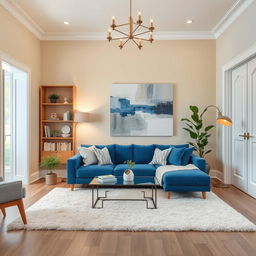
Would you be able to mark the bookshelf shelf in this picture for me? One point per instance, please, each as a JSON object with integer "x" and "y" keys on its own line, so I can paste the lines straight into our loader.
{"x": 57, "y": 121}
{"x": 49, "y": 126}
{"x": 57, "y": 138}
{"x": 57, "y": 104}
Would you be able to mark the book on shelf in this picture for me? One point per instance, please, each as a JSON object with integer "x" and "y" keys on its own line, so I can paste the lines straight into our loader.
{"x": 47, "y": 131}
{"x": 57, "y": 146}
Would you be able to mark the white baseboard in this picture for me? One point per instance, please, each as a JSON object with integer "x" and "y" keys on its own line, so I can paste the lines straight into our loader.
{"x": 60, "y": 173}
{"x": 34, "y": 177}
{"x": 216, "y": 174}
{"x": 41, "y": 174}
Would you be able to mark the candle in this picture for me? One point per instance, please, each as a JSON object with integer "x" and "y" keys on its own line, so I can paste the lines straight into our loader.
{"x": 121, "y": 42}
{"x": 109, "y": 32}
{"x": 139, "y": 15}
{"x": 140, "y": 44}
{"x": 151, "y": 35}
{"x": 113, "y": 20}
{"x": 151, "y": 23}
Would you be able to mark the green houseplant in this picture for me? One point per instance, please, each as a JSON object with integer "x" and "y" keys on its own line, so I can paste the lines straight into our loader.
{"x": 128, "y": 175}
{"x": 198, "y": 131}
{"x": 53, "y": 98}
{"x": 50, "y": 163}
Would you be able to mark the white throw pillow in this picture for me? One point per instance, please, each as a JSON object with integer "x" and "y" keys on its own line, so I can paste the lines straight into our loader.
{"x": 88, "y": 155}
{"x": 160, "y": 156}
{"x": 102, "y": 156}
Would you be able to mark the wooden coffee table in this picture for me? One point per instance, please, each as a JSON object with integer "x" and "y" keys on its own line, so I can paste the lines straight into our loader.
{"x": 149, "y": 182}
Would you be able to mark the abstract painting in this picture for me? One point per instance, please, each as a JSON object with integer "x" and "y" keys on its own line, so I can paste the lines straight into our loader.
{"x": 141, "y": 109}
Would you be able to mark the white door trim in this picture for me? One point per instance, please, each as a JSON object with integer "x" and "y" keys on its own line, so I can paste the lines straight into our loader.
{"x": 226, "y": 105}
{"x": 10, "y": 60}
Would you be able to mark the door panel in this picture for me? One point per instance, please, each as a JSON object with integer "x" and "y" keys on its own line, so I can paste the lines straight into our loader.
{"x": 239, "y": 117}
{"x": 252, "y": 128}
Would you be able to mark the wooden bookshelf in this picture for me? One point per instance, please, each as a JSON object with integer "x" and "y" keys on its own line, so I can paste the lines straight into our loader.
{"x": 46, "y": 108}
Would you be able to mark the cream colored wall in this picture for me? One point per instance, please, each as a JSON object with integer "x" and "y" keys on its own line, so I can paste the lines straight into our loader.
{"x": 94, "y": 65}
{"x": 235, "y": 40}
{"x": 21, "y": 45}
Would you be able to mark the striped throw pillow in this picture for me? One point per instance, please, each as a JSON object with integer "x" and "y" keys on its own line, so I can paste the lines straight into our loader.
{"x": 102, "y": 156}
{"x": 160, "y": 156}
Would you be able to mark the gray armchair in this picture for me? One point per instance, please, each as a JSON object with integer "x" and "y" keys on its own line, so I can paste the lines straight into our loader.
{"x": 12, "y": 193}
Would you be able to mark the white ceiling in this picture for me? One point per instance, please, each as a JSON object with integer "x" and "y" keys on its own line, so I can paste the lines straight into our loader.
{"x": 94, "y": 16}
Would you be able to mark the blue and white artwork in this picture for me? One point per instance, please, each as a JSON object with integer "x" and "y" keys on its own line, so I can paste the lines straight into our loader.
{"x": 141, "y": 110}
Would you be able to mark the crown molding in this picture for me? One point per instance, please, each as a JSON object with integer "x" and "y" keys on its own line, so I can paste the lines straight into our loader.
{"x": 232, "y": 14}
{"x": 22, "y": 17}
{"x": 178, "y": 35}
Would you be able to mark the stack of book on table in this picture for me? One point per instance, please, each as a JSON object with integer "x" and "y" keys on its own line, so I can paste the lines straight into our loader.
{"x": 107, "y": 179}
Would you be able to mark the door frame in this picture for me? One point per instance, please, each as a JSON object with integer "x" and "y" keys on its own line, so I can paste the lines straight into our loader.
{"x": 8, "y": 59}
{"x": 226, "y": 105}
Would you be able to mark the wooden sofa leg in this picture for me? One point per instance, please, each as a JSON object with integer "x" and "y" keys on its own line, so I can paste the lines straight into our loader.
{"x": 3, "y": 211}
{"x": 204, "y": 195}
{"x": 72, "y": 186}
{"x": 168, "y": 194}
{"x": 22, "y": 210}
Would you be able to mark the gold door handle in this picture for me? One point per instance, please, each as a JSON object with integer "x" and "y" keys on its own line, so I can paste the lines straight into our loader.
{"x": 243, "y": 135}
{"x": 248, "y": 136}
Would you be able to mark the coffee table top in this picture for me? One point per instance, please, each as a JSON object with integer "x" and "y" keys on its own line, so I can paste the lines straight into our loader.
{"x": 139, "y": 181}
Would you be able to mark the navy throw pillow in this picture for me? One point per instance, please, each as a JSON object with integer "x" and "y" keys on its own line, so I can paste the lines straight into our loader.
{"x": 186, "y": 155}
{"x": 175, "y": 156}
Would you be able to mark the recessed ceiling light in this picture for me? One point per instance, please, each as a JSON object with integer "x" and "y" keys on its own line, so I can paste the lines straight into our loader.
{"x": 189, "y": 21}
{"x": 66, "y": 22}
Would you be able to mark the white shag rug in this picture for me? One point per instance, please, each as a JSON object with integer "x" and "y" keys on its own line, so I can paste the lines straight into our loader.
{"x": 62, "y": 209}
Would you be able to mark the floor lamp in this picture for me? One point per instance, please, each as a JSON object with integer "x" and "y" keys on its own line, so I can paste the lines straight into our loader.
{"x": 225, "y": 121}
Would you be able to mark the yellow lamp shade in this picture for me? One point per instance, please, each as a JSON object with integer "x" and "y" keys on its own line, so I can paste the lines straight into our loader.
{"x": 224, "y": 120}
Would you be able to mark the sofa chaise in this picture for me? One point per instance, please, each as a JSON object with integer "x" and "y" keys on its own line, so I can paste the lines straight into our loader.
{"x": 175, "y": 181}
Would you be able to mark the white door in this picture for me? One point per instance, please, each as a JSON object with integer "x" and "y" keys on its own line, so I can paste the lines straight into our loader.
{"x": 252, "y": 128}
{"x": 239, "y": 128}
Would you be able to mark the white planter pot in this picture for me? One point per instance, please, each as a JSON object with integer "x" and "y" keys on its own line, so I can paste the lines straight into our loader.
{"x": 128, "y": 175}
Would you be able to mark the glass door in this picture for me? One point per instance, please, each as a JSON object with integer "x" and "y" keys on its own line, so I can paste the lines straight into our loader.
{"x": 14, "y": 160}
{"x": 9, "y": 142}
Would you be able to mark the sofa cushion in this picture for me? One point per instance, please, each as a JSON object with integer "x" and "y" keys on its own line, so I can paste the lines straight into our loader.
{"x": 175, "y": 156}
{"x": 187, "y": 178}
{"x": 138, "y": 169}
{"x": 91, "y": 171}
{"x": 111, "y": 149}
{"x": 123, "y": 153}
{"x": 143, "y": 154}
{"x": 187, "y": 156}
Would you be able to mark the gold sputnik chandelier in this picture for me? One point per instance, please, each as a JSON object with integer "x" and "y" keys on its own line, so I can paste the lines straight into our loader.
{"x": 136, "y": 32}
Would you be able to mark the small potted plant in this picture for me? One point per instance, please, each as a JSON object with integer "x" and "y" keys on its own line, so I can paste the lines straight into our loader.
{"x": 53, "y": 98}
{"x": 50, "y": 163}
{"x": 128, "y": 175}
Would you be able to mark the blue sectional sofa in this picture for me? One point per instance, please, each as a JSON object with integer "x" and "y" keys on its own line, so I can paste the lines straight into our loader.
{"x": 185, "y": 180}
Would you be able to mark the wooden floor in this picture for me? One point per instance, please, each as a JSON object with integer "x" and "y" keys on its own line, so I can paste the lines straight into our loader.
{"x": 47, "y": 243}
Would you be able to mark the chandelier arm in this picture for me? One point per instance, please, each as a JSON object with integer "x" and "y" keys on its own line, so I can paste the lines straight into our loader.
{"x": 135, "y": 42}
{"x": 126, "y": 41}
{"x": 144, "y": 26}
{"x": 119, "y": 38}
{"x": 143, "y": 39}
{"x": 142, "y": 33}
{"x": 135, "y": 28}
{"x": 117, "y": 30}
{"x": 121, "y": 25}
